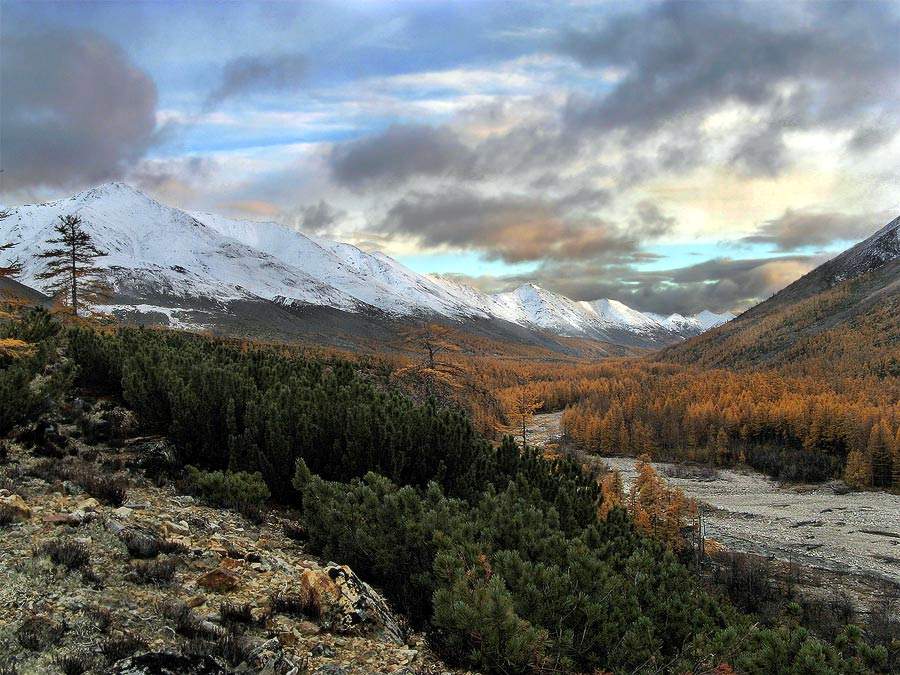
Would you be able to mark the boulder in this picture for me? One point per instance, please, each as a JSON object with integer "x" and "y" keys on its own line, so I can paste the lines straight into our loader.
{"x": 349, "y": 604}
{"x": 218, "y": 581}
{"x": 16, "y": 507}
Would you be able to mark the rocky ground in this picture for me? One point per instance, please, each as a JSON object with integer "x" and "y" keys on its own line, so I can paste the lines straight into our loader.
{"x": 849, "y": 539}
{"x": 152, "y": 581}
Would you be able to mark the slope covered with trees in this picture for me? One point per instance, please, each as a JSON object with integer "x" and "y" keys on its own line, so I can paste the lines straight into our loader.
{"x": 500, "y": 553}
{"x": 843, "y": 318}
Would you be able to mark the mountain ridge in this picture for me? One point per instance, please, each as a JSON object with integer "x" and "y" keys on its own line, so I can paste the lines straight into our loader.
{"x": 165, "y": 258}
{"x": 841, "y": 316}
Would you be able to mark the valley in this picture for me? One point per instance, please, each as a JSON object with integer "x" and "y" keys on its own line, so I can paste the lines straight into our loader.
{"x": 833, "y": 542}
{"x": 391, "y": 337}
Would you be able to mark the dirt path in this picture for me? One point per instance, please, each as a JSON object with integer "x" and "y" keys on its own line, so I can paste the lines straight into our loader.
{"x": 857, "y": 532}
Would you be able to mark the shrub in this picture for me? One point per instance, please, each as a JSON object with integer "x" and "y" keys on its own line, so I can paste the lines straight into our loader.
{"x": 236, "y": 612}
{"x": 117, "y": 648}
{"x": 70, "y": 554}
{"x": 239, "y": 490}
{"x": 152, "y": 571}
{"x": 298, "y": 604}
{"x": 293, "y": 530}
{"x": 37, "y": 633}
{"x": 75, "y": 663}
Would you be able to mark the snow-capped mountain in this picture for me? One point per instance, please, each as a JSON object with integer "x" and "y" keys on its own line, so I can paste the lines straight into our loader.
{"x": 158, "y": 249}
{"x": 692, "y": 325}
{"x": 165, "y": 260}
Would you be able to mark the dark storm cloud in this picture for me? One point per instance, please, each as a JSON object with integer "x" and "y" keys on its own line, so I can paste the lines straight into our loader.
{"x": 73, "y": 110}
{"x": 799, "y": 229}
{"x": 399, "y": 153}
{"x": 259, "y": 73}
{"x": 517, "y": 228}
{"x": 684, "y": 59}
{"x": 721, "y": 284}
{"x": 318, "y": 218}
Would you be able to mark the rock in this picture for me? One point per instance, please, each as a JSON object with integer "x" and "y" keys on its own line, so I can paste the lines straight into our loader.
{"x": 176, "y": 529}
{"x": 322, "y": 649}
{"x": 331, "y": 669}
{"x": 122, "y": 512}
{"x": 89, "y": 504}
{"x": 16, "y": 507}
{"x": 351, "y": 603}
{"x": 219, "y": 581}
{"x": 167, "y": 663}
{"x": 62, "y": 519}
{"x": 269, "y": 659}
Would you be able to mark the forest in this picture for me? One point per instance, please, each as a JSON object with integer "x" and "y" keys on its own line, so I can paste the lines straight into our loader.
{"x": 807, "y": 426}
{"x": 512, "y": 562}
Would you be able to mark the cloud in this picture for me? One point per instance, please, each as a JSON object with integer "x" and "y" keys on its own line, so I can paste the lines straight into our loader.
{"x": 255, "y": 208}
{"x": 318, "y": 218}
{"x": 517, "y": 228}
{"x": 259, "y": 73}
{"x": 719, "y": 284}
{"x": 74, "y": 110}
{"x": 684, "y": 60}
{"x": 399, "y": 153}
{"x": 798, "y": 229}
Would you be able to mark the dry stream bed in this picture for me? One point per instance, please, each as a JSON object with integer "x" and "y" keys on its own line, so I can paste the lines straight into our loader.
{"x": 856, "y": 534}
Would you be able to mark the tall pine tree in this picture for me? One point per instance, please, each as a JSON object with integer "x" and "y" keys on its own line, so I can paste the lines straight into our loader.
{"x": 74, "y": 276}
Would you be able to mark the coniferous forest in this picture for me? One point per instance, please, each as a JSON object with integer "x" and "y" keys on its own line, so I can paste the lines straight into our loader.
{"x": 499, "y": 554}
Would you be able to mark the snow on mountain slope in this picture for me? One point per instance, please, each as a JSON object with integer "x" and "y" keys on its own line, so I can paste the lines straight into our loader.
{"x": 372, "y": 279}
{"x": 531, "y": 305}
{"x": 708, "y": 319}
{"x": 157, "y": 249}
{"x": 692, "y": 325}
{"x": 613, "y": 312}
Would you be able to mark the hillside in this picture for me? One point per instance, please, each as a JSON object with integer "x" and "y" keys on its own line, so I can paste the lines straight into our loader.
{"x": 842, "y": 317}
{"x": 202, "y": 271}
{"x": 121, "y": 447}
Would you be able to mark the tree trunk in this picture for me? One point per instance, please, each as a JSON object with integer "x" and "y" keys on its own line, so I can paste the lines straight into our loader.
{"x": 74, "y": 285}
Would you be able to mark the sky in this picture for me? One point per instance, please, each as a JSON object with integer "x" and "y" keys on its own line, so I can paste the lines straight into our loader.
{"x": 675, "y": 156}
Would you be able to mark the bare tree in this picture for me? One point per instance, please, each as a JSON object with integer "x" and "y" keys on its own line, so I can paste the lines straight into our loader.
{"x": 71, "y": 269}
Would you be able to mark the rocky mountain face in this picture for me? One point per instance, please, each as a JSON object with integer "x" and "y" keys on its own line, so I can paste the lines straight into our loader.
{"x": 109, "y": 567}
{"x": 201, "y": 270}
{"x": 843, "y": 314}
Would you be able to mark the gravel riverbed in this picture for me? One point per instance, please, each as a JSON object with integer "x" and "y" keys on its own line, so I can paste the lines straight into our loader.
{"x": 856, "y": 533}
